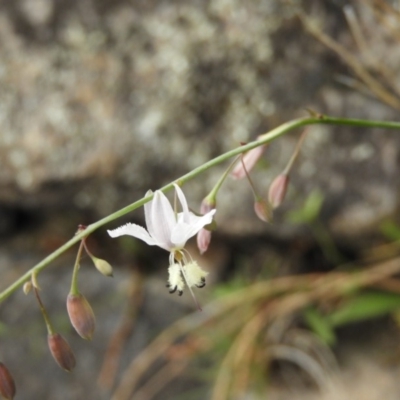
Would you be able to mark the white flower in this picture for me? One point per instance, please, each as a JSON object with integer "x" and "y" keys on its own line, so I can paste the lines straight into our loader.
{"x": 170, "y": 231}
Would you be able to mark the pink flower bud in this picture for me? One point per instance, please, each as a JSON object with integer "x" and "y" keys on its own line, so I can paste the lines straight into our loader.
{"x": 81, "y": 315}
{"x": 263, "y": 210}
{"x": 7, "y": 384}
{"x": 204, "y": 235}
{"x": 61, "y": 351}
{"x": 277, "y": 190}
{"x": 203, "y": 240}
{"x": 207, "y": 205}
{"x": 249, "y": 160}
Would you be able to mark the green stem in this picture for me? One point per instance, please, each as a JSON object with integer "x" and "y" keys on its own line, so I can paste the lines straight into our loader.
{"x": 265, "y": 138}
{"x": 74, "y": 281}
{"x": 253, "y": 188}
{"x": 46, "y": 318}
{"x": 212, "y": 196}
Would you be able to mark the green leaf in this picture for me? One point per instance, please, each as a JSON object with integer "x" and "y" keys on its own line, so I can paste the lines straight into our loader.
{"x": 310, "y": 210}
{"x": 365, "y": 306}
{"x": 390, "y": 230}
{"x": 320, "y": 325}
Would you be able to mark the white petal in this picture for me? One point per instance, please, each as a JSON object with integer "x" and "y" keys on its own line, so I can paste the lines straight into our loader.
{"x": 182, "y": 200}
{"x": 162, "y": 219}
{"x": 194, "y": 219}
{"x": 147, "y": 214}
{"x": 183, "y": 231}
{"x": 180, "y": 234}
{"x": 134, "y": 230}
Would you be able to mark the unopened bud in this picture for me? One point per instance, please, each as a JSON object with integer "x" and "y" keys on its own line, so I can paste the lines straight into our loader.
{"x": 204, "y": 235}
{"x": 207, "y": 205}
{"x": 81, "y": 315}
{"x": 61, "y": 351}
{"x": 27, "y": 287}
{"x": 34, "y": 281}
{"x": 203, "y": 240}
{"x": 277, "y": 190}
{"x": 7, "y": 384}
{"x": 103, "y": 266}
{"x": 248, "y": 161}
{"x": 263, "y": 210}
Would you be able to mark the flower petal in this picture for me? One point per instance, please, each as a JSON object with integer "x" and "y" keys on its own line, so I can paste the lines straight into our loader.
{"x": 180, "y": 234}
{"x": 182, "y": 199}
{"x": 198, "y": 220}
{"x": 183, "y": 231}
{"x": 162, "y": 220}
{"x": 147, "y": 214}
{"x": 136, "y": 231}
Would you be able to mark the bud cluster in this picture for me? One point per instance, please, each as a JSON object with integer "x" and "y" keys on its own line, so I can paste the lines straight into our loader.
{"x": 80, "y": 314}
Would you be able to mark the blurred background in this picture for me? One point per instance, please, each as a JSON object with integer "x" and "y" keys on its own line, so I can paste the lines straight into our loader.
{"x": 101, "y": 100}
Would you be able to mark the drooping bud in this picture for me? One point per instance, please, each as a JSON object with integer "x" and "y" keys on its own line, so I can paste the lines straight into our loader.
{"x": 203, "y": 240}
{"x": 7, "y": 384}
{"x": 204, "y": 234}
{"x": 61, "y": 351}
{"x": 277, "y": 190}
{"x": 248, "y": 161}
{"x": 207, "y": 205}
{"x": 27, "y": 287}
{"x": 103, "y": 266}
{"x": 81, "y": 315}
{"x": 263, "y": 210}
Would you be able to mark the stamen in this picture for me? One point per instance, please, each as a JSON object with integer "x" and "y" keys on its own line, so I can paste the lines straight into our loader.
{"x": 178, "y": 255}
{"x": 202, "y": 284}
{"x": 175, "y": 281}
{"x": 173, "y": 290}
{"x": 184, "y": 254}
{"x": 190, "y": 289}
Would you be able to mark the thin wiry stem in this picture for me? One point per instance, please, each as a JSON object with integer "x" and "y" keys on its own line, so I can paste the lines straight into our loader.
{"x": 263, "y": 139}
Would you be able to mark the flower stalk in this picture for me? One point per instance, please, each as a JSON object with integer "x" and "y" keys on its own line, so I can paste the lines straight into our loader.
{"x": 263, "y": 139}
{"x": 74, "y": 281}
{"x": 101, "y": 265}
{"x": 46, "y": 318}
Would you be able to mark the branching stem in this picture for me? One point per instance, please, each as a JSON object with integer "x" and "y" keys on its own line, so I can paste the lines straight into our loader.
{"x": 263, "y": 139}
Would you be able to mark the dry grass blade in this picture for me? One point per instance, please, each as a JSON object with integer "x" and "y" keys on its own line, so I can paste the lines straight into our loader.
{"x": 238, "y": 360}
{"x": 366, "y": 51}
{"x": 284, "y": 295}
{"x": 373, "y": 84}
{"x": 160, "y": 379}
{"x": 304, "y": 361}
{"x": 116, "y": 344}
{"x": 312, "y": 344}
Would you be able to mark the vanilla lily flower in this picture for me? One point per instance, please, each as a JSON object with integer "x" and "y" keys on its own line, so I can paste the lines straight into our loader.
{"x": 170, "y": 231}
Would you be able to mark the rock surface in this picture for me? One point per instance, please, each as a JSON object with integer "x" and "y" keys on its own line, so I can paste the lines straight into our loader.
{"x": 101, "y": 101}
